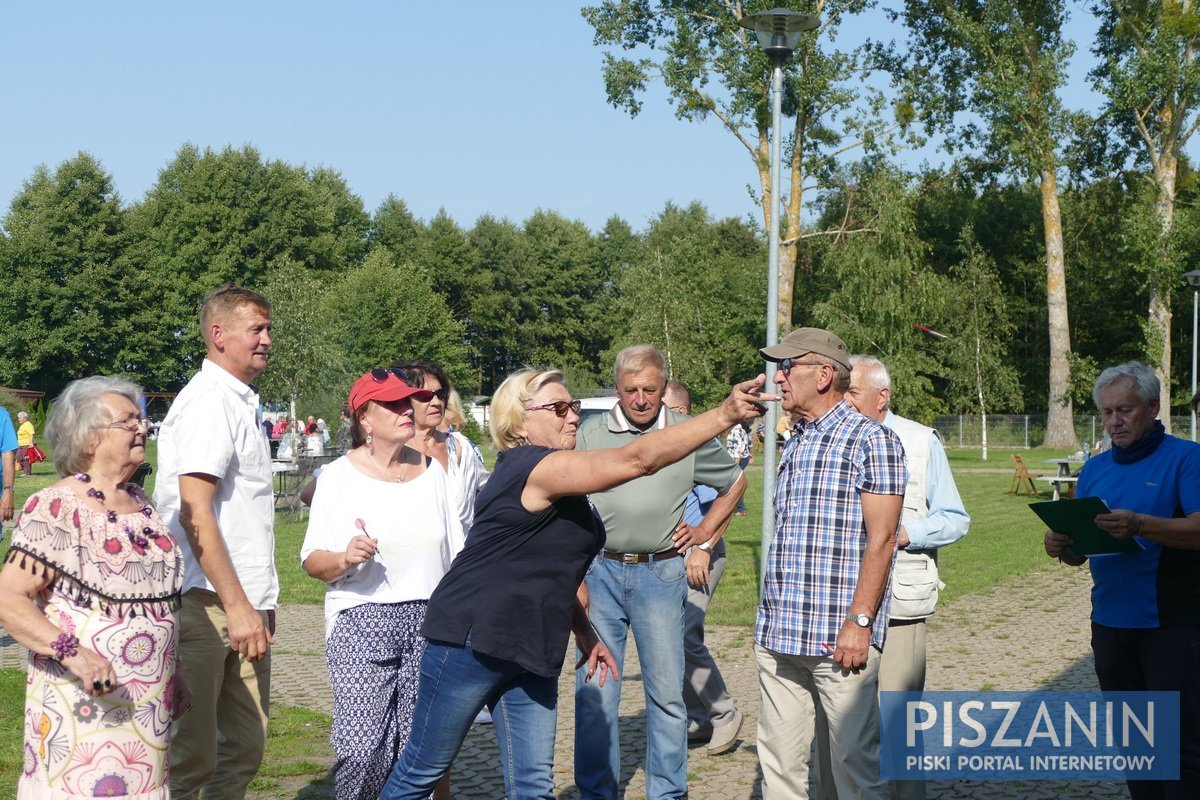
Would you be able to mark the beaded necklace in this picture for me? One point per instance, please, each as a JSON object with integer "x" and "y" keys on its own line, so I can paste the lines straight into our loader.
{"x": 140, "y": 541}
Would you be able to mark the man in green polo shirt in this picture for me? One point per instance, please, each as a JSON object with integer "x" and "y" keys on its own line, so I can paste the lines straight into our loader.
{"x": 639, "y": 583}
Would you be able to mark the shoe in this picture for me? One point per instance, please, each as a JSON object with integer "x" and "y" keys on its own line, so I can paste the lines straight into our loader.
{"x": 725, "y": 737}
{"x": 698, "y": 733}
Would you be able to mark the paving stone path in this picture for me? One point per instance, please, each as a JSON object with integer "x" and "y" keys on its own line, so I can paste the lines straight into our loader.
{"x": 1031, "y": 633}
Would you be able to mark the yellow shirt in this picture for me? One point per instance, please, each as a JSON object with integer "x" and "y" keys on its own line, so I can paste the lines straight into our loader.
{"x": 25, "y": 434}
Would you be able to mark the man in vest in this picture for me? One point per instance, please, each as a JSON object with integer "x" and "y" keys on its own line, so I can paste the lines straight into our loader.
{"x": 933, "y": 517}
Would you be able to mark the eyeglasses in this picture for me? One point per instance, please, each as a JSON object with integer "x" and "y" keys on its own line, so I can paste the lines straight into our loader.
{"x": 379, "y": 374}
{"x": 442, "y": 394}
{"x": 561, "y": 407}
{"x": 132, "y": 425}
{"x": 785, "y": 366}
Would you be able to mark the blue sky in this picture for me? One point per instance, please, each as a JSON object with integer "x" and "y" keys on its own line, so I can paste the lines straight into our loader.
{"x": 498, "y": 108}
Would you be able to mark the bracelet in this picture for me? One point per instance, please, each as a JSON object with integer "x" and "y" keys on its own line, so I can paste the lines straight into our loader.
{"x": 65, "y": 646}
{"x": 9, "y": 488}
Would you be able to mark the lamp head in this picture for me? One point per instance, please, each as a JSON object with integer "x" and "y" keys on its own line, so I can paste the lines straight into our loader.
{"x": 1193, "y": 278}
{"x": 778, "y": 30}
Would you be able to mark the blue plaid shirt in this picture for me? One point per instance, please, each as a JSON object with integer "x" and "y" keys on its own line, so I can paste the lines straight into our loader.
{"x": 814, "y": 559}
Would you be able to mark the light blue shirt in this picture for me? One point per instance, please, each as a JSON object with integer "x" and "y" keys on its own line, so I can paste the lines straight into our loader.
{"x": 947, "y": 519}
{"x": 697, "y": 504}
{"x": 8, "y": 442}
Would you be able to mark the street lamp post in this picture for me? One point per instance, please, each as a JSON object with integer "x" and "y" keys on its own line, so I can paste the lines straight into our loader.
{"x": 1193, "y": 279}
{"x": 778, "y": 32}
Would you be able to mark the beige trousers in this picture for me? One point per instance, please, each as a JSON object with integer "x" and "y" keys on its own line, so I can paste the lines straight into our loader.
{"x": 217, "y": 746}
{"x": 800, "y": 694}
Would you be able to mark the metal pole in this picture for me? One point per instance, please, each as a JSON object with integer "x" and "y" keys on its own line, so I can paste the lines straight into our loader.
{"x": 1195, "y": 313}
{"x": 768, "y": 502}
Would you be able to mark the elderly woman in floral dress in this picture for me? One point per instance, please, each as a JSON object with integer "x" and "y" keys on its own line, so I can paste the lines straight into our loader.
{"x": 91, "y": 587}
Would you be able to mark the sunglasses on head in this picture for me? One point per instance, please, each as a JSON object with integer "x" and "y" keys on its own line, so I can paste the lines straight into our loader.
{"x": 380, "y": 374}
{"x": 561, "y": 407}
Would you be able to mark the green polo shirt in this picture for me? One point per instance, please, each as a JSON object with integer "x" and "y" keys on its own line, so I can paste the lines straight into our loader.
{"x": 640, "y": 516}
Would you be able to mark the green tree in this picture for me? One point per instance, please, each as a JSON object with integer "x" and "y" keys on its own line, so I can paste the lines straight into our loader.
{"x": 382, "y": 311}
{"x": 875, "y": 287}
{"x": 1148, "y": 73}
{"x": 710, "y": 65}
{"x": 394, "y": 227}
{"x": 981, "y": 376}
{"x": 1005, "y": 61}
{"x": 65, "y": 304}
{"x": 308, "y": 360}
{"x": 215, "y": 217}
{"x": 696, "y": 291}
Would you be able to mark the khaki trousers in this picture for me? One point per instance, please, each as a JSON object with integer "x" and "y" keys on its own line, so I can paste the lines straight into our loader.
{"x": 800, "y": 694}
{"x": 217, "y": 746}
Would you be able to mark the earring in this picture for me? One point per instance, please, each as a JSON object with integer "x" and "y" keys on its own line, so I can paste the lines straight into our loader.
{"x": 370, "y": 438}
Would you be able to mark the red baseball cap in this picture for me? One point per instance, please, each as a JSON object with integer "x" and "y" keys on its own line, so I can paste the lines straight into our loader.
{"x": 384, "y": 385}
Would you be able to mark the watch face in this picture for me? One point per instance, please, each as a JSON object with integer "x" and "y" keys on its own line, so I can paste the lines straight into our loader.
{"x": 862, "y": 620}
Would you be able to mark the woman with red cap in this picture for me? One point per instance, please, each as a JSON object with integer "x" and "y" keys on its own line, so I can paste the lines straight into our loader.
{"x": 382, "y": 532}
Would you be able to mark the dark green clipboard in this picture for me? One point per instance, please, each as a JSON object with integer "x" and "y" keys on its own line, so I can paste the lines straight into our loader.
{"x": 1075, "y": 519}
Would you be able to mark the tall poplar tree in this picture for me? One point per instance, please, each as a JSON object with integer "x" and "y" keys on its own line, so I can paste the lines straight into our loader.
{"x": 1005, "y": 61}
{"x": 711, "y": 66}
{"x": 1149, "y": 75}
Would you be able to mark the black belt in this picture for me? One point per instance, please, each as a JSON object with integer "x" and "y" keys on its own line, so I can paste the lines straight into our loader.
{"x": 641, "y": 558}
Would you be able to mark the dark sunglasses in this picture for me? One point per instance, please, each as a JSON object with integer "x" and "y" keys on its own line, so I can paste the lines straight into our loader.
{"x": 379, "y": 374}
{"x": 785, "y": 366}
{"x": 561, "y": 407}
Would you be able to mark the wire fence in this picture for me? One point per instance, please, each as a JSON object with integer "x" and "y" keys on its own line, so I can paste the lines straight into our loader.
{"x": 1027, "y": 430}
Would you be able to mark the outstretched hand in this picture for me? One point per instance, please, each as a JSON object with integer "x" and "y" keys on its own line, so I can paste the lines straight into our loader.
{"x": 745, "y": 401}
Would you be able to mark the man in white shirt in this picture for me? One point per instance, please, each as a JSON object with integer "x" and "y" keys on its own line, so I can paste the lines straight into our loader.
{"x": 215, "y": 491}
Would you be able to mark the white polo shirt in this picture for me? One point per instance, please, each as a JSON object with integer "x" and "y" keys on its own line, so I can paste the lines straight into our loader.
{"x": 212, "y": 429}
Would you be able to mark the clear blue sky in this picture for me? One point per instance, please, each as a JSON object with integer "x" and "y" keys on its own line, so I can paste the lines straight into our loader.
{"x": 498, "y": 108}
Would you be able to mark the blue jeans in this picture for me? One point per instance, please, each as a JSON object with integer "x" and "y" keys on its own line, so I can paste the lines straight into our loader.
{"x": 649, "y": 598}
{"x": 456, "y": 682}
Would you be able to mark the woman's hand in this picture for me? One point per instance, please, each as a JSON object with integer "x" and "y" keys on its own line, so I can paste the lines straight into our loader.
{"x": 183, "y": 695}
{"x": 745, "y": 401}
{"x": 93, "y": 670}
{"x": 362, "y": 548}
{"x": 596, "y": 655}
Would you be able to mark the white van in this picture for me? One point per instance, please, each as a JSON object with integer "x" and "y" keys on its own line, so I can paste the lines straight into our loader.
{"x": 591, "y": 406}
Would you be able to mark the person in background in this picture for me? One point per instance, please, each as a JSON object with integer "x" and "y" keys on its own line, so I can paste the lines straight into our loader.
{"x": 713, "y": 719}
{"x": 383, "y": 529}
{"x": 1145, "y": 604}
{"x": 25, "y": 432}
{"x": 737, "y": 443}
{"x": 933, "y": 517}
{"x": 452, "y": 450}
{"x": 91, "y": 587}
{"x": 503, "y": 640}
{"x": 456, "y": 419}
{"x": 8, "y": 460}
{"x": 216, "y": 494}
{"x": 268, "y": 428}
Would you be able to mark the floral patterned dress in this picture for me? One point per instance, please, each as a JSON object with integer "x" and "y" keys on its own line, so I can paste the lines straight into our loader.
{"x": 116, "y": 587}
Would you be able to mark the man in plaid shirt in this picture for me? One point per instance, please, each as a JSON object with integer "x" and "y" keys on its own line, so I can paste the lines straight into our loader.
{"x": 823, "y": 616}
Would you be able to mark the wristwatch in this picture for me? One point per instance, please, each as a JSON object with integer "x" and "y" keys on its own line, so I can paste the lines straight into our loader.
{"x": 861, "y": 620}
{"x": 705, "y": 546}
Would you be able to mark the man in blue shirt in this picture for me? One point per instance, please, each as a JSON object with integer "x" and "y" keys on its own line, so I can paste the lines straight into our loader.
{"x": 1145, "y": 604}
{"x": 823, "y": 617}
{"x": 8, "y": 449}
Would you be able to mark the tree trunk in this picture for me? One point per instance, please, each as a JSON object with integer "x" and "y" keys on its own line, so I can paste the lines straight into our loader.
{"x": 1159, "y": 322}
{"x": 1060, "y": 427}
